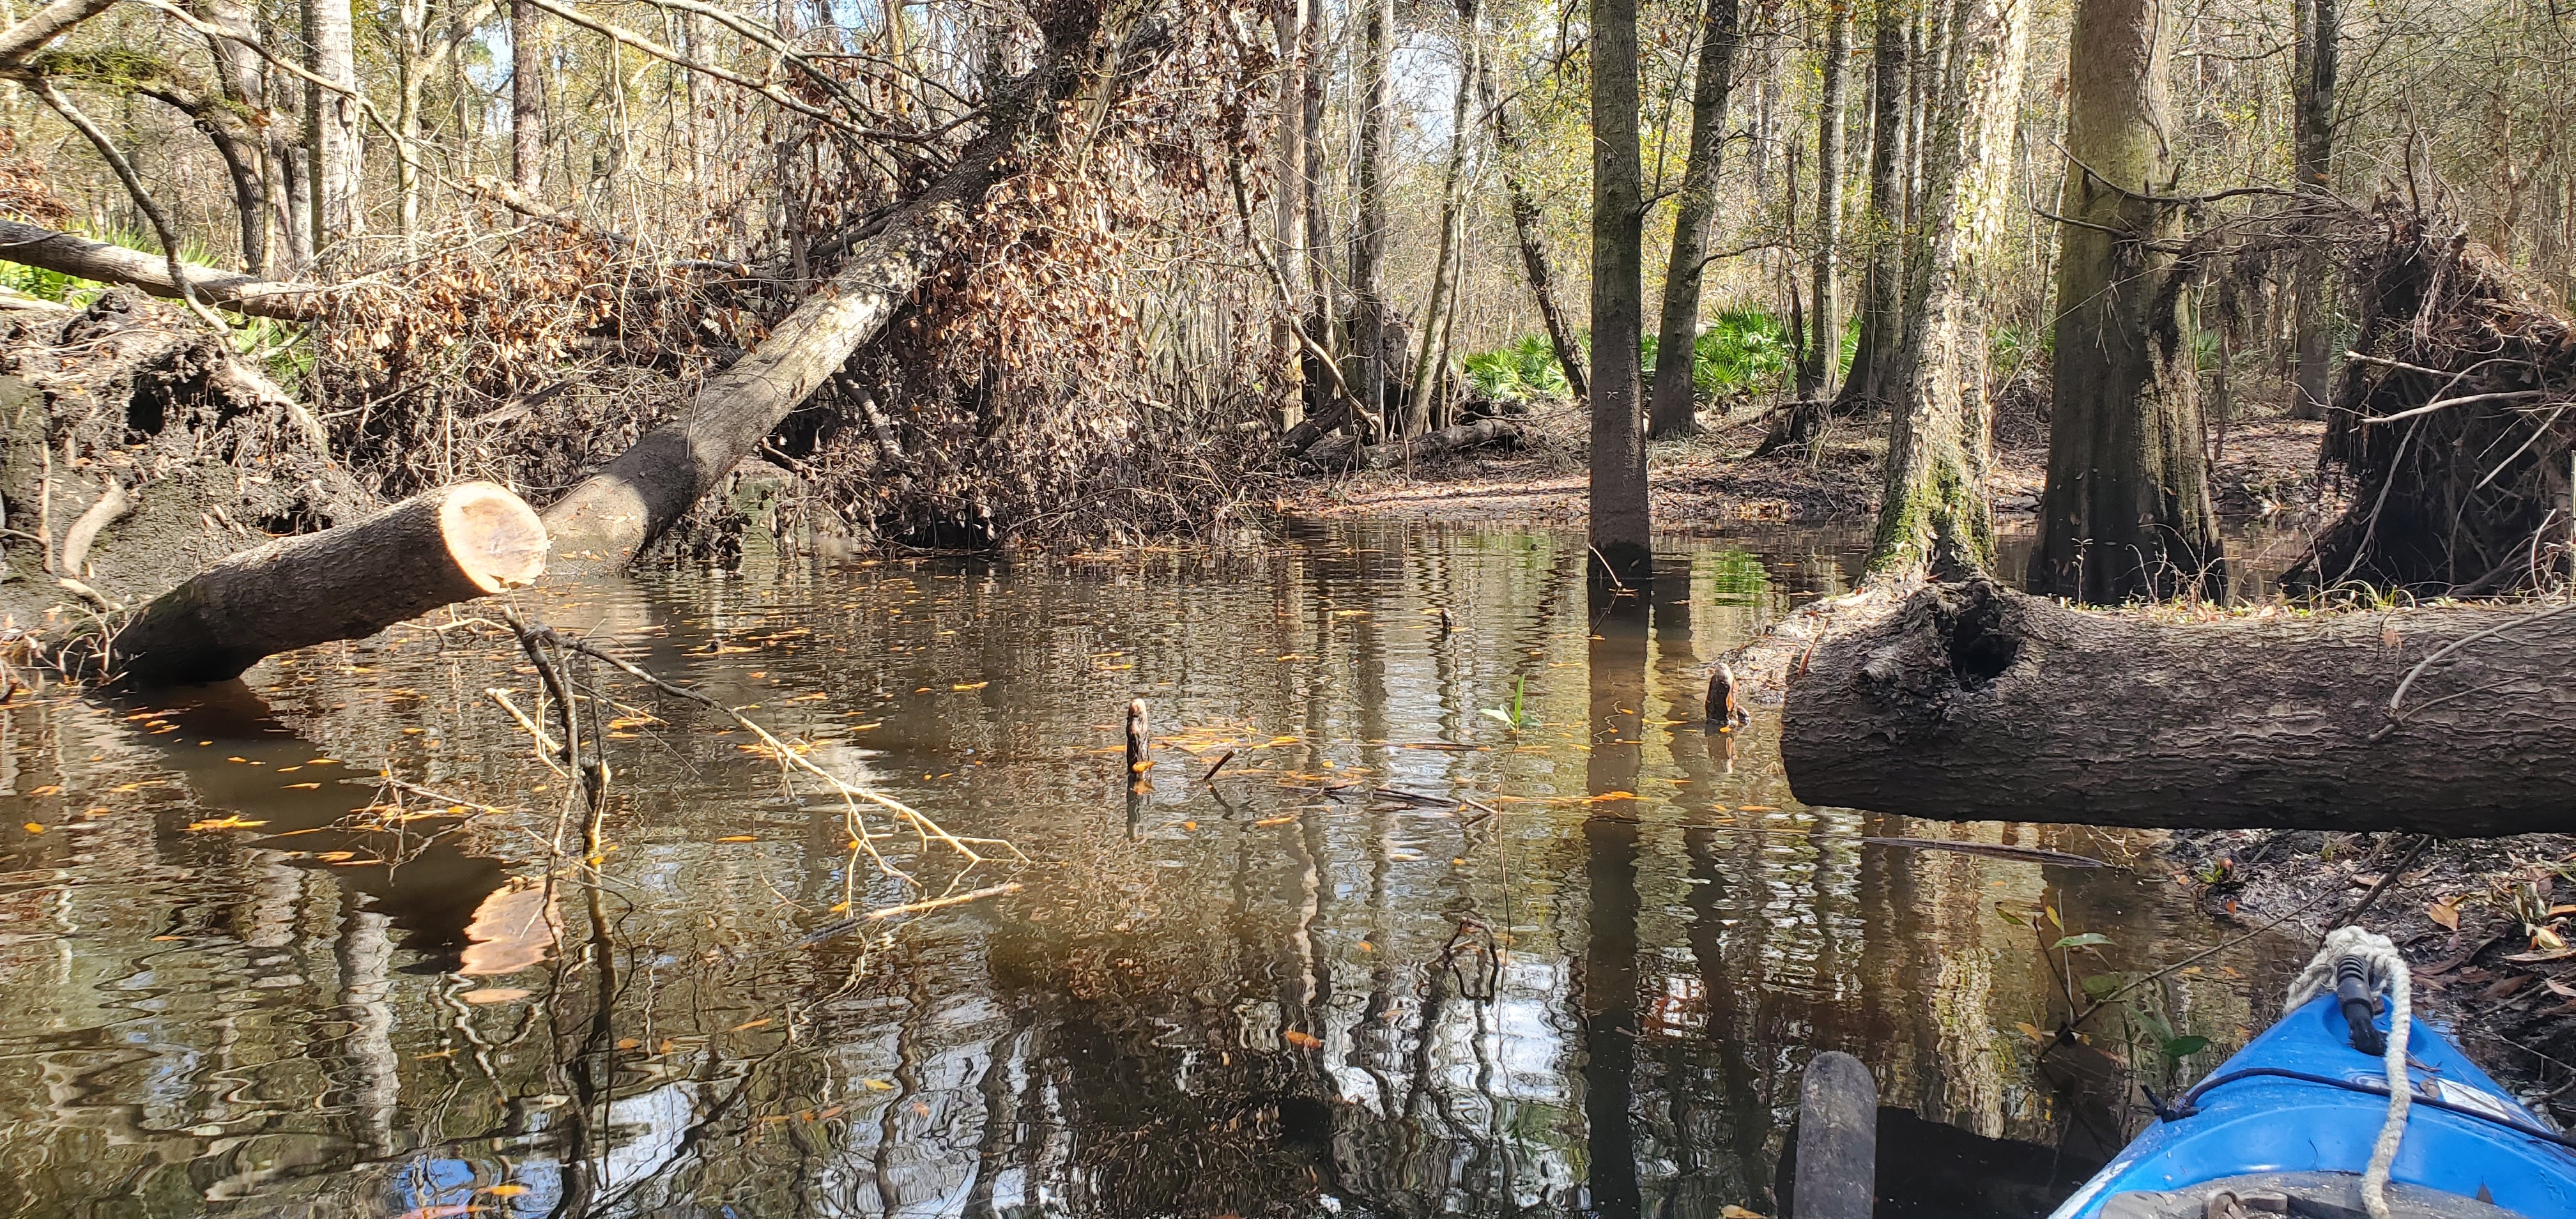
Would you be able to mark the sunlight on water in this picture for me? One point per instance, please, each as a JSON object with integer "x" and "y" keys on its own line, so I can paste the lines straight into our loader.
{"x": 1474, "y": 919}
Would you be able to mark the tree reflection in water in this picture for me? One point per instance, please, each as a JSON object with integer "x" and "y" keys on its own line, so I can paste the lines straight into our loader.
{"x": 1313, "y": 977}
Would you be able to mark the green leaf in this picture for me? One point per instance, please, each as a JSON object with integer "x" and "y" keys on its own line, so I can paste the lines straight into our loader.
{"x": 2089, "y": 939}
{"x": 2181, "y": 1048}
{"x": 2099, "y": 986}
{"x": 2010, "y": 917}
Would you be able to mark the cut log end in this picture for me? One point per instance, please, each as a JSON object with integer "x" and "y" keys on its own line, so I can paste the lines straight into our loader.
{"x": 498, "y": 542}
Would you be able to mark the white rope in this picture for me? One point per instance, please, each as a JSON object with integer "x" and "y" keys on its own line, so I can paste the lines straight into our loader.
{"x": 2387, "y": 974}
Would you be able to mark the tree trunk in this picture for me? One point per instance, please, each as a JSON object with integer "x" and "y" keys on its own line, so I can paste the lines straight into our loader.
{"x": 1323, "y": 312}
{"x": 331, "y": 121}
{"x": 2126, "y": 513}
{"x": 1621, "y": 529}
{"x": 242, "y": 82}
{"x": 449, "y": 545}
{"x": 1976, "y": 703}
{"x": 2312, "y": 89}
{"x": 1671, "y": 411}
{"x": 1528, "y": 228}
{"x": 1883, "y": 285}
{"x": 1934, "y": 512}
{"x": 1825, "y": 312}
{"x": 70, "y": 254}
{"x": 608, "y": 518}
{"x": 1445, "y": 267}
{"x": 1368, "y": 362}
{"x": 527, "y": 101}
{"x": 1287, "y": 209}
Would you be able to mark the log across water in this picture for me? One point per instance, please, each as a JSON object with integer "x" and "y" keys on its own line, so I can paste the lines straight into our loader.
{"x": 444, "y": 546}
{"x": 1975, "y": 702}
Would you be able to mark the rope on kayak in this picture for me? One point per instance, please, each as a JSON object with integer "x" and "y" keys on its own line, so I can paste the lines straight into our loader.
{"x": 2387, "y": 974}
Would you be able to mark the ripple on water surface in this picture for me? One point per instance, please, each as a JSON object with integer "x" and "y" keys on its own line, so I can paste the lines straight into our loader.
{"x": 1438, "y": 899}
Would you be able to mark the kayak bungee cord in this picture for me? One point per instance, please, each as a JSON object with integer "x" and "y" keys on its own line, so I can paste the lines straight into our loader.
{"x": 2369, "y": 959}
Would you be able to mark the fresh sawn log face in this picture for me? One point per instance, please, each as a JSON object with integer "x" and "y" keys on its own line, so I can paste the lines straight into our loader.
{"x": 438, "y": 548}
{"x": 1973, "y": 702}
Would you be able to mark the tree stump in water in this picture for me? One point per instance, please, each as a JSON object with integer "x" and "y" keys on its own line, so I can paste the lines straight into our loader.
{"x": 444, "y": 546}
{"x": 1973, "y": 702}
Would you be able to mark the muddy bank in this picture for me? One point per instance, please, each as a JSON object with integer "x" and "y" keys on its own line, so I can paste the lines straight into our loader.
{"x": 2481, "y": 923}
{"x": 2266, "y": 471}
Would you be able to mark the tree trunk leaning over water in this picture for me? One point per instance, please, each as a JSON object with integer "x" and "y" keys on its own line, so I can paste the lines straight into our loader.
{"x": 2126, "y": 513}
{"x": 608, "y": 518}
{"x": 1671, "y": 410}
{"x": 1621, "y": 530}
{"x": 449, "y": 545}
{"x": 1975, "y": 702}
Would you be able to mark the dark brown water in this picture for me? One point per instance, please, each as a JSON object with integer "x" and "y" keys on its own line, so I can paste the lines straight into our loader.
{"x": 1279, "y": 991}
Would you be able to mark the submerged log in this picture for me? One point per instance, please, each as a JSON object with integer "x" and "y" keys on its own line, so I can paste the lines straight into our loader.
{"x": 1973, "y": 702}
{"x": 438, "y": 548}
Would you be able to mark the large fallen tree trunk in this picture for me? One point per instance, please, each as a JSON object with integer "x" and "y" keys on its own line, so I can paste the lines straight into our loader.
{"x": 71, "y": 254}
{"x": 438, "y": 548}
{"x": 605, "y": 520}
{"x": 1973, "y": 702}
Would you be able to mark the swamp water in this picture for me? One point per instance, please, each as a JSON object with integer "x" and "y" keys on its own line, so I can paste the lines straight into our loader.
{"x": 1285, "y": 989}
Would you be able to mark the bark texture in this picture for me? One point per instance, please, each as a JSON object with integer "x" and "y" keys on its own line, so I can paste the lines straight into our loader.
{"x": 1671, "y": 413}
{"x": 1370, "y": 351}
{"x": 1882, "y": 275}
{"x": 37, "y": 246}
{"x": 1974, "y": 702}
{"x": 1824, "y": 280}
{"x": 2126, "y": 513}
{"x": 1528, "y": 227}
{"x": 2312, "y": 101}
{"x": 1620, "y": 525}
{"x": 449, "y": 545}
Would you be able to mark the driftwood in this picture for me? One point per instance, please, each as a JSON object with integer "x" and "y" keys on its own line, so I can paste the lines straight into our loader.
{"x": 1343, "y": 452}
{"x": 448, "y": 545}
{"x": 1973, "y": 702}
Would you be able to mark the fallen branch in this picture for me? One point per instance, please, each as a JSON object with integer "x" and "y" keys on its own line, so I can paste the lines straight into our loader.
{"x": 70, "y": 254}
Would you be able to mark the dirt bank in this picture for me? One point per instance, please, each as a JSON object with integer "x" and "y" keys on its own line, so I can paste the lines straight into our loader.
{"x": 2266, "y": 470}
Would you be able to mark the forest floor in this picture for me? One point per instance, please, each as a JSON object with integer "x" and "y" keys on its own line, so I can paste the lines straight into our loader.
{"x": 2265, "y": 469}
{"x": 2467, "y": 915}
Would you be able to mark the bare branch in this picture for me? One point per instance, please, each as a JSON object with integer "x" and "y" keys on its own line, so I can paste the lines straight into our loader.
{"x": 70, "y": 254}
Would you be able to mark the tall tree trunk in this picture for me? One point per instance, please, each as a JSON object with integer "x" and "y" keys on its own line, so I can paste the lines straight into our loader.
{"x": 1368, "y": 358}
{"x": 527, "y": 101}
{"x": 1721, "y": 32}
{"x": 331, "y": 121}
{"x": 411, "y": 61}
{"x": 1287, "y": 209}
{"x": 2126, "y": 513}
{"x": 1934, "y": 512}
{"x": 1319, "y": 219}
{"x": 1526, "y": 226}
{"x": 1621, "y": 528}
{"x": 242, "y": 81}
{"x": 1825, "y": 311}
{"x": 1883, "y": 284}
{"x": 1445, "y": 267}
{"x": 2312, "y": 89}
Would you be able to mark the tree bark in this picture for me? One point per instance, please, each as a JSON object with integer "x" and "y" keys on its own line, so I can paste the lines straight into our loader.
{"x": 449, "y": 545}
{"x": 331, "y": 120}
{"x": 527, "y": 101}
{"x": 2319, "y": 38}
{"x": 1527, "y": 226}
{"x": 28, "y": 36}
{"x": 1825, "y": 311}
{"x": 1882, "y": 286}
{"x": 1974, "y": 702}
{"x": 1621, "y": 527}
{"x": 608, "y": 518}
{"x": 1287, "y": 208}
{"x": 1934, "y": 512}
{"x": 36, "y": 246}
{"x": 1670, "y": 410}
{"x": 1445, "y": 267}
{"x": 2126, "y": 512}
{"x": 1368, "y": 361}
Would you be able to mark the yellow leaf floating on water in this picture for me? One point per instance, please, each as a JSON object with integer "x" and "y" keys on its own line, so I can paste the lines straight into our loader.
{"x": 1303, "y": 1040}
{"x": 738, "y": 838}
{"x": 224, "y": 823}
{"x": 1276, "y": 820}
{"x": 746, "y": 1025}
{"x": 877, "y": 1085}
{"x": 506, "y": 1191}
{"x": 35, "y": 828}
{"x": 50, "y": 789}
{"x": 970, "y": 685}
{"x": 302, "y": 786}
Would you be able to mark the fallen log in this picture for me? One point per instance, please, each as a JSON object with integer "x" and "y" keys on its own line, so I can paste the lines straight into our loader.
{"x": 1972, "y": 702}
{"x": 438, "y": 548}
{"x": 608, "y": 518}
{"x": 71, "y": 254}
{"x": 1343, "y": 452}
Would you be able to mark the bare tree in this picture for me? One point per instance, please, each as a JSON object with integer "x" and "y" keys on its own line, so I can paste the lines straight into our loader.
{"x": 1721, "y": 33}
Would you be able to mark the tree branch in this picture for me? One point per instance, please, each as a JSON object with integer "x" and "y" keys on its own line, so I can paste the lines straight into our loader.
{"x": 70, "y": 254}
{"x": 21, "y": 40}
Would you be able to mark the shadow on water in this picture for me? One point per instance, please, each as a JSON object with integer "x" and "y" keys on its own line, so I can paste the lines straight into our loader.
{"x": 1438, "y": 899}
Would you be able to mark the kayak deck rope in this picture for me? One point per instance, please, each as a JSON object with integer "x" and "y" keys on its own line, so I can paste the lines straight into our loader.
{"x": 2386, "y": 974}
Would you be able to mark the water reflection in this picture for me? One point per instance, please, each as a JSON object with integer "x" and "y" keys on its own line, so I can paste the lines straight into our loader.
{"x": 1470, "y": 920}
